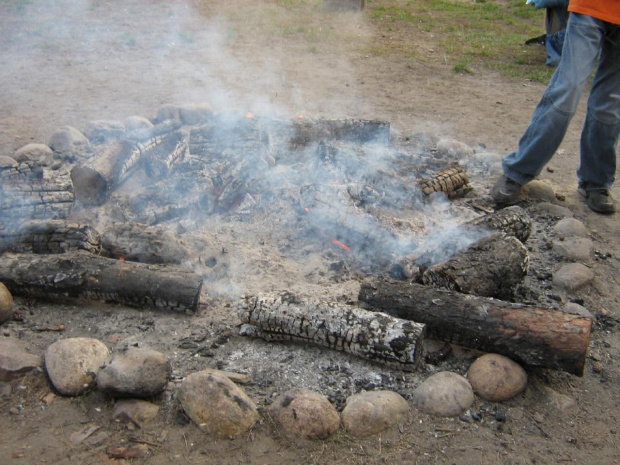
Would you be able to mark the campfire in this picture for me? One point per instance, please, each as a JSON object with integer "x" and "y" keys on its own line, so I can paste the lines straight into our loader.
{"x": 116, "y": 214}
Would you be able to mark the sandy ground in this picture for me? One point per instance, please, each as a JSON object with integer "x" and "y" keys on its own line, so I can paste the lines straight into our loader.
{"x": 67, "y": 63}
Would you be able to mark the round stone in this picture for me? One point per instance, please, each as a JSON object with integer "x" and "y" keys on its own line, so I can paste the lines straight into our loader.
{"x": 305, "y": 414}
{"x": 496, "y": 378}
{"x": 6, "y": 304}
{"x": 573, "y": 276}
{"x": 369, "y": 413}
{"x": 444, "y": 394}
{"x": 137, "y": 122}
{"x": 37, "y": 153}
{"x": 72, "y": 364}
{"x": 571, "y": 227}
{"x": 135, "y": 372}
{"x": 540, "y": 190}
{"x": 575, "y": 248}
{"x": 216, "y": 404}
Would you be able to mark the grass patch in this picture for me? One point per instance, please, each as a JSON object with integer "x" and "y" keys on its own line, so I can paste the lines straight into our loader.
{"x": 487, "y": 34}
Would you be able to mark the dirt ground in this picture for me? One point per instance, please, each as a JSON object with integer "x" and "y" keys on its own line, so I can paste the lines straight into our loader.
{"x": 68, "y": 63}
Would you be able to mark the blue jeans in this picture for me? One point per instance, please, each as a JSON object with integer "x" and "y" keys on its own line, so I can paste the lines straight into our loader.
{"x": 585, "y": 39}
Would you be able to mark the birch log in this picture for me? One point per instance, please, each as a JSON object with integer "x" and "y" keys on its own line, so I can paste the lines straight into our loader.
{"x": 374, "y": 336}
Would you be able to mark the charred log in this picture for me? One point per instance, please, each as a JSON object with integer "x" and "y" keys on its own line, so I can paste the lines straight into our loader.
{"x": 108, "y": 168}
{"x": 162, "y": 156}
{"x": 33, "y": 192}
{"x": 84, "y": 275}
{"x": 306, "y": 131}
{"x": 50, "y": 237}
{"x": 513, "y": 221}
{"x": 341, "y": 327}
{"x": 534, "y": 336}
{"x": 491, "y": 267}
{"x": 142, "y": 243}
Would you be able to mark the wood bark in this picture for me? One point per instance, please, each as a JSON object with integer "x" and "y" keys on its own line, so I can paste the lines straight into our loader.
{"x": 81, "y": 274}
{"x": 530, "y": 335}
{"x": 451, "y": 181}
{"x": 169, "y": 149}
{"x": 513, "y": 221}
{"x": 491, "y": 267}
{"x": 50, "y": 237}
{"x": 341, "y": 327}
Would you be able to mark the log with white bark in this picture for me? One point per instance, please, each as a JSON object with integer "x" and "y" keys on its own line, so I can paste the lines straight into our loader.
{"x": 85, "y": 275}
{"x": 375, "y": 336}
{"x": 531, "y": 335}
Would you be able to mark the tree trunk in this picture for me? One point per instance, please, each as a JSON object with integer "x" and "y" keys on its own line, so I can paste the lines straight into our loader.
{"x": 491, "y": 267}
{"x": 341, "y": 327}
{"x": 530, "y": 335}
{"x": 81, "y": 274}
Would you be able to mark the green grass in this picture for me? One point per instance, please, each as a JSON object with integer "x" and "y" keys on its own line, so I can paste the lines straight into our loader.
{"x": 471, "y": 35}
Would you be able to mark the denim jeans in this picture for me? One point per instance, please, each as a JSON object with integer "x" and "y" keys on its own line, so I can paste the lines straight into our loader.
{"x": 586, "y": 38}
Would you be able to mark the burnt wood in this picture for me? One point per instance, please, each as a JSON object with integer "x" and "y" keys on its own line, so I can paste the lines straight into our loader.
{"x": 375, "y": 336}
{"x": 84, "y": 275}
{"x": 492, "y": 267}
{"x": 533, "y": 336}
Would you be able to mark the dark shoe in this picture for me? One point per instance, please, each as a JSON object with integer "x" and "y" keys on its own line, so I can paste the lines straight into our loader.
{"x": 506, "y": 191}
{"x": 599, "y": 200}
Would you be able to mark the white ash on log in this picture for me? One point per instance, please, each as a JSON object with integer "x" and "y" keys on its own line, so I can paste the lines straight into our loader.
{"x": 375, "y": 336}
{"x": 309, "y": 130}
{"x": 530, "y": 335}
{"x": 171, "y": 149}
{"x": 492, "y": 267}
{"x": 50, "y": 237}
{"x": 84, "y": 275}
{"x": 28, "y": 190}
{"x": 513, "y": 221}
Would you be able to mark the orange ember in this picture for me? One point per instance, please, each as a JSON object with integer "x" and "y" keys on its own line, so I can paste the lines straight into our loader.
{"x": 337, "y": 242}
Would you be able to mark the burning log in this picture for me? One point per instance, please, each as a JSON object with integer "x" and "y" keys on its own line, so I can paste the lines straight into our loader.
{"x": 50, "y": 237}
{"x": 161, "y": 157}
{"x": 109, "y": 167}
{"x": 491, "y": 267}
{"x": 534, "y": 336}
{"x": 31, "y": 191}
{"x": 341, "y": 327}
{"x": 513, "y": 221}
{"x": 142, "y": 243}
{"x": 308, "y": 130}
{"x": 81, "y": 274}
{"x": 452, "y": 181}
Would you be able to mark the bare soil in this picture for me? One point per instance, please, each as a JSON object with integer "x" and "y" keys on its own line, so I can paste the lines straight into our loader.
{"x": 68, "y": 63}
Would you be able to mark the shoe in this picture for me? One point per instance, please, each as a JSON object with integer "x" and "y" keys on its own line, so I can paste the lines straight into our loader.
{"x": 506, "y": 191}
{"x": 599, "y": 200}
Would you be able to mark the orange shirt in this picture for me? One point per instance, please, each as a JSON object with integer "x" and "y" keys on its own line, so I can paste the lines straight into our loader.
{"x": 606, "y": 10}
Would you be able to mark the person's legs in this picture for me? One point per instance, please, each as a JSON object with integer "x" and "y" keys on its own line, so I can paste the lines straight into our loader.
{"x": 582, "y": 44}
{"x": 601, "y": 130}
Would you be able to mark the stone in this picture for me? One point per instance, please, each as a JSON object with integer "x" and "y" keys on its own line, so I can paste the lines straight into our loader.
{"x": 539, "y": 190}
{"x": 135, "y": 372}
{"x": 304, "y": 414}
{"x": 136, "y": 411}
{"x": 576, "y": 309}
{"x": 102, "y": 130}
{"x": 40, "y": 154}
{"x": 575, "y": 248}
{"x": 444, "y": 394}
{"x": 7, "y": 162}
{"x": 573, "y": 276}
{"x": 72, "y": 364}
{"x": 216, "y": 404}
{"x": 567, "y": 227}
{"x": 559, "y": 403}
{"x": 70, "y": 143}
{"x": 15, "y": 361}
{"x": 133, "y": 123}
{"x": 451, "y": 149}
{"x": 369, "y": 413}
{"x": 168, "y": 111}
{"x": 549, "y": 210}
{"x": 195, "y": 114}
{"x": 6, "y": 304}
{"x": 496, "y": 378}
